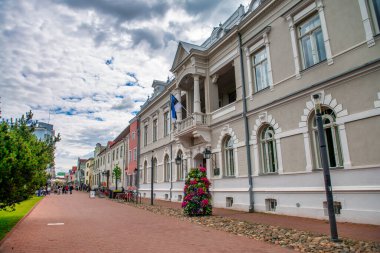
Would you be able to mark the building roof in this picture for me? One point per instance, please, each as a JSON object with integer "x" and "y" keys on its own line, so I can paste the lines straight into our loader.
{"x": 124, "y": 133}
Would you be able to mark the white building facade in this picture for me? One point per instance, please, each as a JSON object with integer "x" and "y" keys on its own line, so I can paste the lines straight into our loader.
{"x": 247, "y": 94}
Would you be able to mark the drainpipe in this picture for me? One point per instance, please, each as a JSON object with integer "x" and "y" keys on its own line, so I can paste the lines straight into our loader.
{"x": 171, "y": 171}
{"x": 138, "y": 157}
{"x": 246, "y": 127}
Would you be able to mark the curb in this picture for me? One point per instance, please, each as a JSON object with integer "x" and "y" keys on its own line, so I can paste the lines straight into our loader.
{"x": 18, "y": 223}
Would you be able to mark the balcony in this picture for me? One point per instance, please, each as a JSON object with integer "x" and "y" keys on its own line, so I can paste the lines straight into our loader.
{"x": 193, "y": 130}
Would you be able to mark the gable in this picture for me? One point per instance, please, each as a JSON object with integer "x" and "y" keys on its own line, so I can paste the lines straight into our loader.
{"x": 180, "y": 55}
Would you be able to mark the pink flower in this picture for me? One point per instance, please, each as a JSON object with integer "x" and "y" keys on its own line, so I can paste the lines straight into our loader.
{"x": 202, "y": 169}
{"x": 200, "y": 191}
{"x": 184, "y": 204}
{"x": 193, "y": 181}
{"x": 205, "y": 180}
{"x": 188, "y": 197}
{"x": 204, "y": 202}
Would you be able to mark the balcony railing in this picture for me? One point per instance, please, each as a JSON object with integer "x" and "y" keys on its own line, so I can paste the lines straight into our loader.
{"x": 196, "y": 119}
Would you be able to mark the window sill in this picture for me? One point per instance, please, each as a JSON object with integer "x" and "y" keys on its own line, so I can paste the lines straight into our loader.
{"x": 262, "y": 90}
{"x": 228, "y": 177}
{"x": 269, "y": 174}
{"x": 334, "y": 168}
{"x": 312, "y": 67}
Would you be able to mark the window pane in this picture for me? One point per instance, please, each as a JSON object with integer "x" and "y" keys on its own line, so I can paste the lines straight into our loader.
{"x": 320, "y": 45}
{"x": 376, "y": 14}
{"x": 307, "y": 51}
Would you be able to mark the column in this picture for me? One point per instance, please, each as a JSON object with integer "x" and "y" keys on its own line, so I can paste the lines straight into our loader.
{"x": 344, "y": 145}
{"x": 179, "y": 111}
{"x": 197, "y": 96}
{"x": 293, "y": 37}
{"x": 306, "y": 141}
{"x": 249, "y": 71}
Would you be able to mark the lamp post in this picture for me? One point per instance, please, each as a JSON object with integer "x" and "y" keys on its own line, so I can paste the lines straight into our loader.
{"x": 151, "y": 181}
{"x": 326, "y": 169}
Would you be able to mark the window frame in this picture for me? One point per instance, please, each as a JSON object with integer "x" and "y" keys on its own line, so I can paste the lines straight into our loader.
{"x": 265, "y": 140}
{"x": 315, "y": 53}
{"x": 257, "y": 64}
{"x": 166, "y": 168}
{"x": 166, "y": 124}
{"x": 145, "y": 135}
{"x": 154, "y": 130}
{"x": 375, "y": 19}
{"x": 229, "y": 157}
{"x": 337, "y": 146}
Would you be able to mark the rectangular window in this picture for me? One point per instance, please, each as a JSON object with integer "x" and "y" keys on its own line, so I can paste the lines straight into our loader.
{"x": 260, "y": 69}
{"x": 135, "y": 154}
{"x": 133, "y": 135}
{"x": 166, "y": 124}
{"x": 374, "y": 6}
{"x": 109, "y": 157}
{"x": 117, "y": 153}
{"x": 113, "y": 155}
{"x": 337, "y": 207}
{"x": 154, "y": 130}
{"x": 271, "y": 205}
{"x": 130, "y": 156}
{"x": 145, "y": 135}
{"x": 311, "y": 42}
{"x": 121, "y": 151}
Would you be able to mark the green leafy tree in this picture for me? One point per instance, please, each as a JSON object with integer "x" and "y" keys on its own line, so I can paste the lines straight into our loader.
{"x": 23, "y": 160}
{"x": 116, "y": 173}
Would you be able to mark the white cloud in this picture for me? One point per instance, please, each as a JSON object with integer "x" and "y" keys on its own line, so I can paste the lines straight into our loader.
{"x": 53, "y": 59}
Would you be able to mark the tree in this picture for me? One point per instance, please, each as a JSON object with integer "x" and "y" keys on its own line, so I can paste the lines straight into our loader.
{"x": 23, "y": 160}
{"x": 116, "y": 173}
{"x": 197, "y": 200}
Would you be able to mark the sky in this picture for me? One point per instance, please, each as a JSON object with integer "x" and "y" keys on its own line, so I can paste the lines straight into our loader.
{"x": 86, "y": 66}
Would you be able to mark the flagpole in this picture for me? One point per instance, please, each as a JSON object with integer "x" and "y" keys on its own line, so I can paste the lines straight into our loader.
{"x": 180, "y": 103}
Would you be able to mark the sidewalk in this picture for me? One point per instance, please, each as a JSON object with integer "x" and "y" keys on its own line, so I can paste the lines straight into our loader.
{"x": 348, "y": 230}
{"x": 76, "y": 223}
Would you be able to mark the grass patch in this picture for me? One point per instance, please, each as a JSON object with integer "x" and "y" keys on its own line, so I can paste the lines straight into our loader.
{"x": 8, "y": 219}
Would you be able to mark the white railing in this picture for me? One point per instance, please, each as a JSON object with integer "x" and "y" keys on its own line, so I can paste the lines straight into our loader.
{"x": 196, "y": 119}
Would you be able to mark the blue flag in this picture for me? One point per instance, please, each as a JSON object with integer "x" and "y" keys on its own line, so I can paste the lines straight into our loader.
{"x": 174, "y": 105}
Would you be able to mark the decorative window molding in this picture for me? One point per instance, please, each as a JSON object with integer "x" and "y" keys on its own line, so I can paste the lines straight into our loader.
{"x": 377, "y": 102}
{"x": 257, "y": 43}
{"x": 265, "y": 119}
{"x": 367, "y": 19}
{"x": 340, "y": 113}
{"x": 227, "y": 131}
{"x": 295, "y": 17}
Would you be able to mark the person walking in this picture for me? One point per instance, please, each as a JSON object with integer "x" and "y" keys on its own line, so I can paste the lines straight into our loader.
{"x": 71, "y": 189}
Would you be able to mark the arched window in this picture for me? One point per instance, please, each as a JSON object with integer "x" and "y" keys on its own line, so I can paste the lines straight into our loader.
{"x": 145, "y": 173}
{"x": 181, "y": 167}
{"x": 268, "y": 150}
{"x": 229, "y": 160}
{"x": 331, "y": 138}
{"x": 166, "y": 168}
{"x": 155, "y": 170}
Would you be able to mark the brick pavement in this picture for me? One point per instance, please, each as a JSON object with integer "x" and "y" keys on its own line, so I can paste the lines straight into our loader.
{"x": 100, "y": 225}
{"x": 348, "y": 230}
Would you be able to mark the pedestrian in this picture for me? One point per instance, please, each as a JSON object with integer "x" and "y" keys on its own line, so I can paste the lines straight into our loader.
{"x": 71, "y": 189}
{"x": 67, "y": 189}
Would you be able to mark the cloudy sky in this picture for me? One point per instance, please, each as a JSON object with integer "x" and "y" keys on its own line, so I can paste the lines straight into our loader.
{"x": 86, "y": 66}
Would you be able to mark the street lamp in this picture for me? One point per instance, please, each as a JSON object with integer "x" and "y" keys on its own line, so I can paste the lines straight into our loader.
{"x": 178, "y": 160}
{"x": 207, "y": 153}
{"x": 326, "y": 169}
